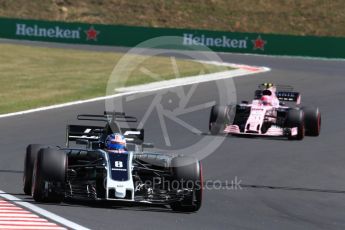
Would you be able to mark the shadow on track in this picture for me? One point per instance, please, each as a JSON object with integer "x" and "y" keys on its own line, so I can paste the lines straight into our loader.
{"x": 10, "y": 171}
{"x": 293, "y": 188}
{"x": 286, "y": 188}
{"x": 115, "y": 205}
{"x": 243, "y": 136}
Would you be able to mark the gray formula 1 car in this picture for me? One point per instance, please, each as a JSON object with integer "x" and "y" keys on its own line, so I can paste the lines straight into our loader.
{"x": 88, "y": 171}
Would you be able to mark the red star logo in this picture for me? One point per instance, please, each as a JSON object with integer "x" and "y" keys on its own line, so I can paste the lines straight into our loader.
{"x": 259, "y": 43}
{"x": 91, "y": 34}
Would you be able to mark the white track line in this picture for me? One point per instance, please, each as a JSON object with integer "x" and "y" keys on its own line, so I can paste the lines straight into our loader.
{"x": 241, "y": 71}
{"x": 17, "y": 219}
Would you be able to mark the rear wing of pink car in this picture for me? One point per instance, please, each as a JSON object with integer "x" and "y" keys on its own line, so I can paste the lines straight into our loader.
{"x": 284, "y": 96}
{"x": 289, "y": 96}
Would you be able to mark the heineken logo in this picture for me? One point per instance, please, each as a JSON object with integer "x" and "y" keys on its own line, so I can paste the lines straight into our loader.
{"x": 55, "y": 32}
{"x": 223, "y": 41}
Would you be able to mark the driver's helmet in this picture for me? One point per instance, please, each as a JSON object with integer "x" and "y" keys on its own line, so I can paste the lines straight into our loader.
{"x": 266, "y": 100}
{"x": 115, "y": 142}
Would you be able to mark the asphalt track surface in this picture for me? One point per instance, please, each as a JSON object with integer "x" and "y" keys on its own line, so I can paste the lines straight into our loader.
{"x": 285, "y": 184}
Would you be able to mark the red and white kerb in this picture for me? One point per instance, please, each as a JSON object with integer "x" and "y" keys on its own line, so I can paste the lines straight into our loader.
{"x": 14, "y": 217}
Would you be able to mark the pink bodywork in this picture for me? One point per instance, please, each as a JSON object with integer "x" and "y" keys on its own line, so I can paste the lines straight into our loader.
{"x": 258, "y": 113}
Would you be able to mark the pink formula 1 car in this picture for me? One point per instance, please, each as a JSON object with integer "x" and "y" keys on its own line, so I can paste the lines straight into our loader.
{"x": 267, "y": 115}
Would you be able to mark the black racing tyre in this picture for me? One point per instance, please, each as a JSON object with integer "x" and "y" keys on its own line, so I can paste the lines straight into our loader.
{"x": 312, "y": 121}
{"x": 50, "y": 169}
{"x": 295, "y": 118}
{"x": 189, "y": 177}
{"x": 219, "y": 117}
{"x": 30, "y": 158}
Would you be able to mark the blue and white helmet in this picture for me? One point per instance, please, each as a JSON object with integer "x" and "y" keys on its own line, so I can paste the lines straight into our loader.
{"x": 115, "y": 141}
